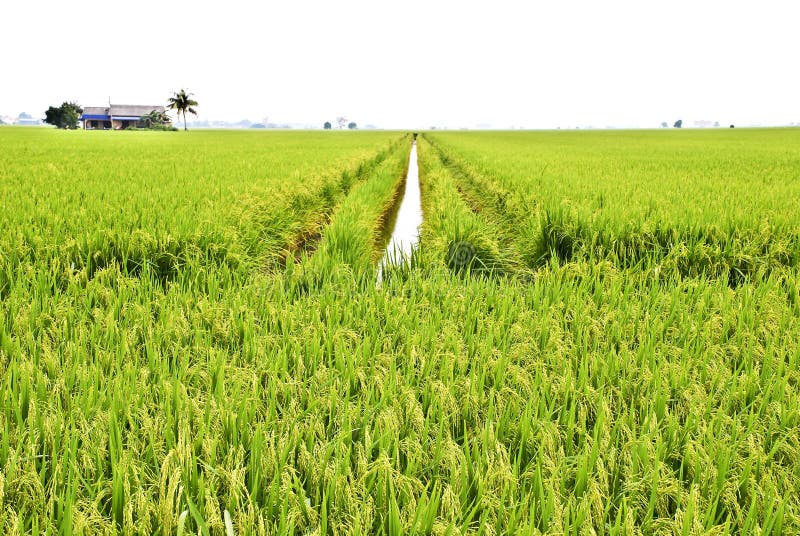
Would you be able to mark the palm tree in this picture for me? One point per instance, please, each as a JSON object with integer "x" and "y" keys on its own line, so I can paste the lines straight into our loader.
{"x": 182, "y": 102}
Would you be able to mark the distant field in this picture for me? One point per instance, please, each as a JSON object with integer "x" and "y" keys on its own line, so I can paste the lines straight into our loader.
{"x": 682, "y": 178}
{"x": 599, "y": 333}
{"x": 716, "y": 201}
{"x": 78, "y": 191}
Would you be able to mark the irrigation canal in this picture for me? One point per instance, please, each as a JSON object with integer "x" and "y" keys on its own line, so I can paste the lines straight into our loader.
{"x": 405, "y": 227}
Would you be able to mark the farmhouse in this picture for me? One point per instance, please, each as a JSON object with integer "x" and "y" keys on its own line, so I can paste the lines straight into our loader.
{"x": 116, "y": 116}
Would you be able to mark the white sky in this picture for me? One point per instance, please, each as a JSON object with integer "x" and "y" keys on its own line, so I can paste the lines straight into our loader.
{"x": 412, "y": 64}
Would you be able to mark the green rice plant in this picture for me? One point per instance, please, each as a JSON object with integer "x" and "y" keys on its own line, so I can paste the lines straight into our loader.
{"x": 638, "y": 198}
{"x": 234, "y": 397}
{"x": 451, "y": 233}
{"x": 351, "y": 241}
{"x": 83, "y": 202}
{"x": 299, "y": 228}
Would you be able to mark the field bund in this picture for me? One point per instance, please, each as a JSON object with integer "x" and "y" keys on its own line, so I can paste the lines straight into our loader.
{"x": 598, "y": 332}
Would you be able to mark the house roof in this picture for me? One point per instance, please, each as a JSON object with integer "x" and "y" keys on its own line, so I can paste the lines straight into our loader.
{"x": 134, "y": 110}
{"x": 129, "y": 112}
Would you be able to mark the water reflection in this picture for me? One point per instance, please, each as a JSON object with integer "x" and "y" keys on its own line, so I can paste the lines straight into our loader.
{"x": 405, "y": 227}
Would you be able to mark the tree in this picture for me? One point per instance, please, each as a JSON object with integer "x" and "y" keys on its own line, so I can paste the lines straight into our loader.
{"x": 182, "y": 102}
{"x": 678, "y": 123}
{"x": 155, "y": 118}
{"x": 342, "y": 121}
{"x": 664, "y": 124}
{"x": 716, "y": 124}
{"x": 65, "y": 116}
{"x": 327, "y": 125}
{"x": 352, "y": 125}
